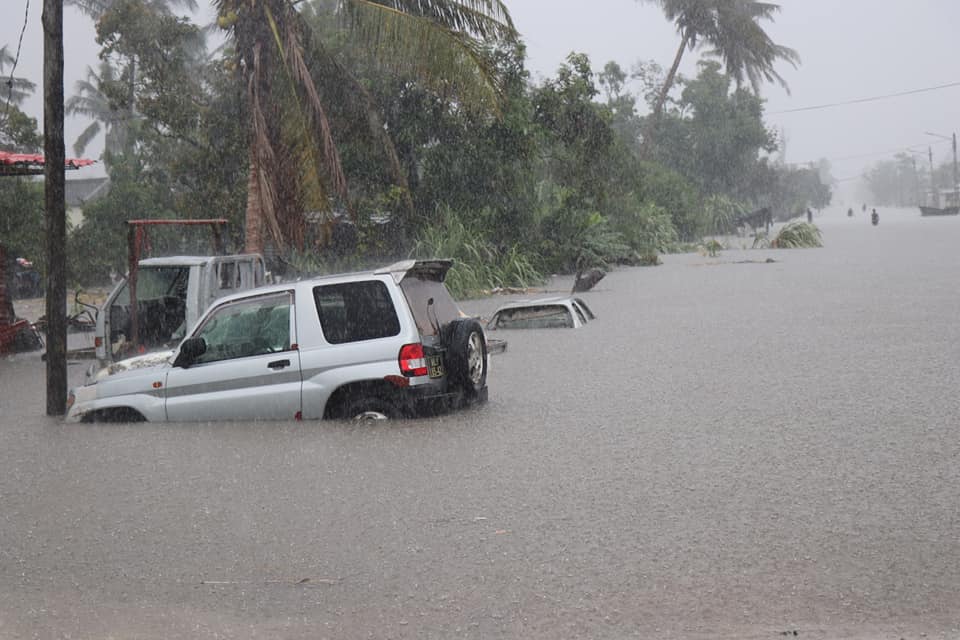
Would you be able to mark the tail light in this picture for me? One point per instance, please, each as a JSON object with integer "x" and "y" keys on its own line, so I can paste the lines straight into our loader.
{"x": 98, "y": 342}
{"x": 412, "y": 360}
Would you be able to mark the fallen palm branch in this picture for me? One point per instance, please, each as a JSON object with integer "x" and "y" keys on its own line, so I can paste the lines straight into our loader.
{"x": 797, "y": 235}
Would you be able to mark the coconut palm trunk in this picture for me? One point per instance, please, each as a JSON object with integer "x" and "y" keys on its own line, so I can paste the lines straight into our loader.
{"x": 294, "y": 163}
{"x": 732, "y": 30}
{"x": 253, "y": 221}
{"x": 654, "y": 118}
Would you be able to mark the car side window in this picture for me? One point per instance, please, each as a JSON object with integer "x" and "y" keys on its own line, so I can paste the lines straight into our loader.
{"x": 355, "y": 311}
{"x": 244, "y": 328}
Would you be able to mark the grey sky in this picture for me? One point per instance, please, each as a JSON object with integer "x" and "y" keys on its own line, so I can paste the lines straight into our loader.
{"x": 850, "y": 49}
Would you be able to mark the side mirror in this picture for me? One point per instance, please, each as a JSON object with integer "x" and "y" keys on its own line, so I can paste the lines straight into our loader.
{"x": 190, "y": 350}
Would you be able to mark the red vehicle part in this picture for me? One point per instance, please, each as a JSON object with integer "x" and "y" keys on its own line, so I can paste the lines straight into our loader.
{"x": 8, "y": 334}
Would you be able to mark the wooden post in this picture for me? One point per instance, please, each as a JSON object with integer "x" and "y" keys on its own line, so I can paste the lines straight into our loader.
{"x": 55, "y": 206}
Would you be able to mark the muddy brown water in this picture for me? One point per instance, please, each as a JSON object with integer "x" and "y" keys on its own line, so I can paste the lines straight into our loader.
{"x": 733, "y": 449}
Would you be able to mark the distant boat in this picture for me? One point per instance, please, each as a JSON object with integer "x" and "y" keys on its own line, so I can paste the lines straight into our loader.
{"x": 939, "y": 211}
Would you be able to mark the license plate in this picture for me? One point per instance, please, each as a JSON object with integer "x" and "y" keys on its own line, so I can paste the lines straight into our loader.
{"x": 435, "y": 365}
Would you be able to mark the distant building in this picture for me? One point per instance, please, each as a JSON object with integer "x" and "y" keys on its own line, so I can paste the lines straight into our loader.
{"x": 80, "y": 192}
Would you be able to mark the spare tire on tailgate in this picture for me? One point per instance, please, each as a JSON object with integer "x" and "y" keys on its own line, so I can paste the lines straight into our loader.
{"x": 466, "y": 355}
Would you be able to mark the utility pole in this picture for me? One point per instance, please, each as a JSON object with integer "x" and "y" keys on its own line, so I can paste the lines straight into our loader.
{"x": 934, "y": 200}
{"x": 955, "y": 186}
{"x": 55, "y": 207}
{"x": 956, "y": 195}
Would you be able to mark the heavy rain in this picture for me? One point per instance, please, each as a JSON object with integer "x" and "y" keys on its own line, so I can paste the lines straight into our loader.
{"x": 502, "y": 319}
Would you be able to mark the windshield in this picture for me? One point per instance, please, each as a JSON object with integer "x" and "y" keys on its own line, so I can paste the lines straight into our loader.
{"x": 157, "y": 282}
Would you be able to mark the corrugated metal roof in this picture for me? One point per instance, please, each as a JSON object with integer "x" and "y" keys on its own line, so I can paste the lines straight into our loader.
{"x": 25, "y": 164}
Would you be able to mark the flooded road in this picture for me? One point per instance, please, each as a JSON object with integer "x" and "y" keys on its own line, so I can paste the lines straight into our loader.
{"x": 733, "y": 449}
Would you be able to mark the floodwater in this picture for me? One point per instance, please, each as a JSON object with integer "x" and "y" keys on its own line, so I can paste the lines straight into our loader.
{"x": 734, "y": 449}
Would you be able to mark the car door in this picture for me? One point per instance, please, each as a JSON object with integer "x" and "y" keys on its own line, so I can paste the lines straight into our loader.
{"x": 250, "y": 369}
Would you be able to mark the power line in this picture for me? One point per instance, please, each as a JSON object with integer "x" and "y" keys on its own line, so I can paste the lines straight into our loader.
{"x": 16, "y": 59}
{"x": 873, "y": 153}
{"x": 870, "y": 99}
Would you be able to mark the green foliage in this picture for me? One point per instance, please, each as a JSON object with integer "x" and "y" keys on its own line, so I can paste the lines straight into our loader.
{"x": 472, "y": 163}
{"x": 722, "y": 213}
{"x": 18, "y": 132}
{"x": 715, "y": 135}
{"x": 733, "y": 32}
{"x": 21, "y": 218}
{"x": 478, "y": 264}
{"x": 578, "y": 148}
{"x": 788, "y": 191}
{"x": 575, "y": 240}
{"x": 648, "y": 231}
{"x": 797, "y": 235}
{"x": 99, "y": 245}
{"x": 555, "y": 167}
{"x": 188, "y": 139}
{"x": 712, "y": 247}
{"x": 677, "y": 196}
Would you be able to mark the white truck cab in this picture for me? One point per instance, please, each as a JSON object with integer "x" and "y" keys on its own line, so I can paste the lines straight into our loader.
{"x": 172, "y": 294}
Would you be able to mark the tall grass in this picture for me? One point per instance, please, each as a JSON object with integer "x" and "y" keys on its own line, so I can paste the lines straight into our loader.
{"x": 479, "y": 265}
{"x": 722, "y": 213}
{"x": 797, "y": 235}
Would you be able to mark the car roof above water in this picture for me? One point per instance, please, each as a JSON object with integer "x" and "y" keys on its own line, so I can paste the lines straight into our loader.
{"x": 577, "y": 312}
{"x": 397, "y": 271}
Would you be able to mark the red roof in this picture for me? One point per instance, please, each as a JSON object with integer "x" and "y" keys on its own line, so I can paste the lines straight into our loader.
{"x": 32, "y": 163}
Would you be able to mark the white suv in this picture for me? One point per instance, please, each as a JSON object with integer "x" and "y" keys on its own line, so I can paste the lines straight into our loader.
{"x": 380, "y": 344}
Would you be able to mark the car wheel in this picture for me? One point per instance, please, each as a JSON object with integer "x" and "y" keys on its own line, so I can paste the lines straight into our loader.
{"x": 466, "y": 356}
{"x": 364, "y": 409}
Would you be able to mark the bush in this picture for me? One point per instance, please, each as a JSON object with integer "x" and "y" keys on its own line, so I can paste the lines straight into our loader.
{"x": 648, "y": 231}
{"x": 722, "y": 214}
{"x": 479, "y": 265}
{"x": 797, "y": 235}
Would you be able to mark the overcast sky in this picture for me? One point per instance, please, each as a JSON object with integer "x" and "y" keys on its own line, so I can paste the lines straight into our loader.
{"x": 850, "y": 50}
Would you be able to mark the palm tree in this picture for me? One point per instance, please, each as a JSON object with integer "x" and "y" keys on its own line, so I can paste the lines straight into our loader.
{"x": 96, "y": 8}
{"x": 14, "y": 90}
{"x": 90, "y": 100}
{"x": 294, "y": 163}
{"x": 731, "y": 28}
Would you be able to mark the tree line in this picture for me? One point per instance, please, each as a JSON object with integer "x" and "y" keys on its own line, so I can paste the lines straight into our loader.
{"x": 335, "y": 132}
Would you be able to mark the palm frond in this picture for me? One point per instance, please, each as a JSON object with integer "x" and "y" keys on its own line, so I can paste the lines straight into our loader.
{"x": 449, "y": 61}
{"x": 88, "y": 134}
{"x": 292, "y": 51}
{"x": 797, "y": 235}
{"x": 262, "y": 157}
{"x": 747, "y": 51}
{"x": 481, "y": 19}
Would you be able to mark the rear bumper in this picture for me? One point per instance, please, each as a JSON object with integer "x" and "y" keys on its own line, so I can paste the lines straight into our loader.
{"x": 430, "y": 401}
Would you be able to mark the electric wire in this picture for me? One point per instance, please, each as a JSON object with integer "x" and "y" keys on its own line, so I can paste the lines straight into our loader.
{"x": 13, "y": 69}
{"x": 830, "y": 105}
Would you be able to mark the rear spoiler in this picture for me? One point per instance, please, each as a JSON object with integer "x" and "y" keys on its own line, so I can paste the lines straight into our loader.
{"x": 426, "y": 269}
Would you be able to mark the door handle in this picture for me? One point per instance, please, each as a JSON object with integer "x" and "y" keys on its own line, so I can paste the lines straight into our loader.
{"x": 278, "y": 364}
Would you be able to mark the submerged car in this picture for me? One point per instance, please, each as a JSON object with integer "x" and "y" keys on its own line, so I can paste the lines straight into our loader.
{"x": 543, "y": 313}
{"x": 380, "y": 344}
